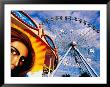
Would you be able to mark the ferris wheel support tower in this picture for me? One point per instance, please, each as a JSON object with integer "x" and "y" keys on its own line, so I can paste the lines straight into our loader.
{"x": 82, "y": 63}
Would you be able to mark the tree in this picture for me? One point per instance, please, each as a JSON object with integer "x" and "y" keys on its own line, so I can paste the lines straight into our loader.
{"x": 66, "y": 75}
{"x": 85, "y": 74}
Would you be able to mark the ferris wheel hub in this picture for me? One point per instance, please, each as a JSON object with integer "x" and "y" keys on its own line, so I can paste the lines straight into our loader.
{"x": 73, "y": 44}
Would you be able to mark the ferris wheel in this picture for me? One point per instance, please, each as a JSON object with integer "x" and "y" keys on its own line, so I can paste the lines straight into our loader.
{"x": 78, "y": 45}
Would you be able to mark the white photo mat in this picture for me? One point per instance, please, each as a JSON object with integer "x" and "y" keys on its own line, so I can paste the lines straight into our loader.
{"x": 56, "y": 80}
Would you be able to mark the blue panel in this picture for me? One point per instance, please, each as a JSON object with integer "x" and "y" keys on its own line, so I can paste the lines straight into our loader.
{"x": 24, "y": 18}
{"x": 50, "y": 42}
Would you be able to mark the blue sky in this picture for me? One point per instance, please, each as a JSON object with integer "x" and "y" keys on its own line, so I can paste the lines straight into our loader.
{"x": 64, "y": 32}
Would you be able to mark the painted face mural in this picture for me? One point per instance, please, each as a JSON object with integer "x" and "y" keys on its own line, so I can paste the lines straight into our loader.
{"x": 22, "y": 54}
{"x": 19, "y": 53}
{"x": 32, "y": 51}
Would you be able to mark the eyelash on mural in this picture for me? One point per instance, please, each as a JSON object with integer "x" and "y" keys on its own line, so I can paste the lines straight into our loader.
{"x": 16, "y": 52}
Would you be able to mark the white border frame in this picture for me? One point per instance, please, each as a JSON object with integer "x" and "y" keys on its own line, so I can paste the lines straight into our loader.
{"x": 56, "y": 80}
